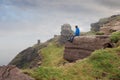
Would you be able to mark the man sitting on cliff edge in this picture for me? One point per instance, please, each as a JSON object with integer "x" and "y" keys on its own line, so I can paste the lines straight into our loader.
{"x": 77, "y": 33}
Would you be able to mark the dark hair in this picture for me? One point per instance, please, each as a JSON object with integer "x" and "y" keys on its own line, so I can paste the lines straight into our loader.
{"x": 76, "y": 26}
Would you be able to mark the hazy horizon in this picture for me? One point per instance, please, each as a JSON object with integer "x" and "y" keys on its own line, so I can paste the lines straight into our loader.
{"x": 23, "y": 22}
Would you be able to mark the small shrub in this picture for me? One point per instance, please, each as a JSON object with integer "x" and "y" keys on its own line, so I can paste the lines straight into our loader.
{"x": 115, "y": 37}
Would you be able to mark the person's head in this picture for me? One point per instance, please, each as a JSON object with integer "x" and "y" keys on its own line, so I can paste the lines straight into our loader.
{"x": 76, "y": 26}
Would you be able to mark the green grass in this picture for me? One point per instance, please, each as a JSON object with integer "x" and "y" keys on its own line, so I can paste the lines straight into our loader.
{"x": 106, "y": 64}
{"x": 47, "y": 73}
{"x": 52, "y": 55}
{"x": 103, "y": 64}
{"x": 115, "y": 37}
{"x": 99, "y": 33}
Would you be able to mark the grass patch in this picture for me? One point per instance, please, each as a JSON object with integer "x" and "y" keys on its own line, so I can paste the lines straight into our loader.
{"x": 52, "y": 55}
{"x": 47, "y": 73}
{"x": 106, "y": 63}
{"x": 115, "y": 37}
{"x": 99, "y": 33}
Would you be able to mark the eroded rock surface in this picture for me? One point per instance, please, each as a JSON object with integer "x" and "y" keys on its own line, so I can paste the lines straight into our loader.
{"x": 107, "y": 25}
{"x": 12, "y": 73}
{"x": 66, "y": 33}
{"x": 83, "y": 46}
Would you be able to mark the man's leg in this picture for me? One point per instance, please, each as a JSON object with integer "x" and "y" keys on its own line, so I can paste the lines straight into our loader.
{"x": 72, "y": 38}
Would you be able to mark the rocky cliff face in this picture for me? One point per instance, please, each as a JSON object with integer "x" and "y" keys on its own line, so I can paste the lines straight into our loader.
{"x": 107, "y": 25}
{"x": 66, "y": 33}
{"x": 31, "y": 57}
{"x": 28, "y": 58}
{"x": 12, "y": 73}
{"x": 83, "y": 46}
{"x": 113, "y": 25}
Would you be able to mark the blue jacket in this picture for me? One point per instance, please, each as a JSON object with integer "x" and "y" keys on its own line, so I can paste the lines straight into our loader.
{"x": 77, "y": 32}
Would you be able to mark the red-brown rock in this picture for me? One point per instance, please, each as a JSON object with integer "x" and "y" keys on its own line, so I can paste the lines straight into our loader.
{"x": 12, "y": 73}
{"x": 83, "y": 46}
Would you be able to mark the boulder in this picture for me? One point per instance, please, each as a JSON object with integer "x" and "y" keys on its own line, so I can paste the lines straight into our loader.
{"x": 83, "y": 46}
{"x": 66, "y": 33}
{"x": 12, "y": 73}
{"x": 95, "y": 27}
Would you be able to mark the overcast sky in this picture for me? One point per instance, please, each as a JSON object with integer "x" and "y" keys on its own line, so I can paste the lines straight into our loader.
{"x": 23, "y": 22}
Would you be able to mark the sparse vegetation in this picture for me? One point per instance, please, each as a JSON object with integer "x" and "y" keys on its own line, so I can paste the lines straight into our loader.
{"x": 99, "y": 33}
